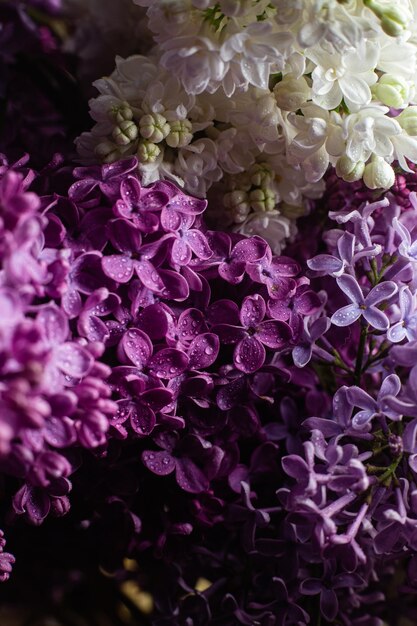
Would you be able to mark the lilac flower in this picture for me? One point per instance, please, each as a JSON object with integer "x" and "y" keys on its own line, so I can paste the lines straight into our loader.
{"x": 363, "y": 306}
{"x": 302, "y": 353}
{"x": 391, "y": 386}
{"x": 253, "y": 334}
{"x": 406, "y": 327}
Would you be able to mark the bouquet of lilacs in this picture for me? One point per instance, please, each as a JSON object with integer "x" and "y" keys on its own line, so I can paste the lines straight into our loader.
{"x": 208, "y": 317}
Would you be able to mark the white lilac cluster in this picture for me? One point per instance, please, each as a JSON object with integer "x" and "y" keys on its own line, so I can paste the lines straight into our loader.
{"x": 254, "y": 99}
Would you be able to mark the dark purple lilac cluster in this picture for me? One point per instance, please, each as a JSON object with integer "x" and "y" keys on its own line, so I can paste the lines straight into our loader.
{"x": 130, "y": 329}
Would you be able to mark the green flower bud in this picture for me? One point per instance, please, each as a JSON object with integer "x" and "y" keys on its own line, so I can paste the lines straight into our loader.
{"x": 125, "y": 133}
{"x": 393, "y": 20}
{"x": 349, "y": 170}
{"x": 292, "y": 211}
{"x": 391, "y": 90}
{"x": 261, "y": 174}
{"x": 148, "y": 152}
{"x": 154, "y": 127}
{"x": 180, "y": 133}
{"x": 238, "y": 204}
{"x": 408, "y": 120}
{"x": 121, "y": 113}
{"x": 107, "y": 152}
{"x": 262, "y": 199}
{"x": 378, "y": 174}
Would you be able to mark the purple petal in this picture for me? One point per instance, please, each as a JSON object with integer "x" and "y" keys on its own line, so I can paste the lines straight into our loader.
{"x": 351, "y": 288}
{"x": 358, "y": 397}
{"x": 203, "y": 351}
{"x": 190, "y": 324}
{"x": 224, "y": 312}
{"x": 253, "y": 311}
{"x": 168, "y": 363}
{"x": 376, "y": 318}
{"x": 329, "y": 604}
{"x": 391, "y": 386}
{"x": 160, "y": 463}
{"x": 131, "y": 191}
{"x": 124, "y": 236}
{"x": 73, "y": 359}
{"x": 249, "y": 250}
{"x": 302, "y": 355}
{"x": 362, "y": 418}
{"x": 190, "y": 477}
{"x": 149, "y": 276}
{"x": 175, "y": 287}
{"x": 383, "y": 291}
{"x": 71, "y": 303}
{"x": 346, "y": 315}
{"x": 198, "y": 243}
{"x": 142, "y": 419}
{"x": 274, "y": 334}
{"x": 54, "y": 324}
{"x": 188, "y": 204}
{"x": 325, "y": 263}
{"x": 311, "y": 587}
{"x": 346, "y": 247}
{"x": 117, "y": 267}
{"x": 154, "y": 321}
{"x": 181, "y": 253}
{"x": 249, "y": 355}
{"x": 137, "y": 347}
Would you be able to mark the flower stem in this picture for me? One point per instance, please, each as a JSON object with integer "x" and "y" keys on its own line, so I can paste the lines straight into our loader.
{"x": 361, "y": 352}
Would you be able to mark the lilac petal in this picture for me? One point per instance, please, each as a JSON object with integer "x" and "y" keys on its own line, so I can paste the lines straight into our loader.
{"x": 73, "y": 359}
{"x": 284, "y": 266}
{"x": 71, "y": 303}
{"x": 249, "y": 355}
{"x": 190, "y": 324}
{"x": 383, "y": 291}
{"x": 346, "y": 247}
{"x": 351, "y": 288}
{"x": 131, "y": 191}
{"x": 397, "y": 332}
{"x": 157, "y": 398}
{"x": 274, "y": 334}
{"x": 122, "y": 413}
{"x": 188, "y": 204}
{"x": 325, "y": 263}
{"x": 190, "y": 477}
{"x": 376, "y": 318}
{"x": 249, "y": 250}
{"x": 203, "y": 351}
{"x": 229, "y": 334}
{"x": 302, "y": 355}
{"x": 153, "y": 200}
{"x": 253, "y": 311}
{"x": 307, "y": 303}
{"x": 329, "y": 604}
{"x": 160, "y": 463}
{"x": 170, "y": 220}
{"x": 319, "y": 328}
{"x": 92, "y": 328}
{"x": 311, "y": 587}
{"x": 117, "y": 267}
{"x": 391, "y": 386}
{"x": 230, "y": 395}
{"x": 59, "y": 433}
{"x": 149, "y": 276}
{"x": 198, "y": 244}
{"x": 181, "y": 253}
{"x": 54, "y": 324}
{"x": 124, "y": 236}
{"x": 142, "y": 419}
{"x": 358, "y": 397}
{"x": 175, "y": 287}
{"x": 409, "y": 437}
{"x": 137, "y": 347}
{"x": 168, "y": 363}
{"x": 85, "y": 270}
{"x": 154, "y": 321}
{"x": 346, "y": 315}
{"x": 362, "y": 418}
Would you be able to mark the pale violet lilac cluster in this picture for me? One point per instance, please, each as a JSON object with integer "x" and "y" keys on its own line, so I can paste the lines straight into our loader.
{"x": 250, "y": 103}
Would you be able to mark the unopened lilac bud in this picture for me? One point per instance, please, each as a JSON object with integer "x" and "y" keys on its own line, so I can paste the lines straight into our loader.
{"x": 261, "y": 174}
{"x": 262, "y": 199}
{"x": 391, "y": 90}
{"x": 125, "y": 133}
{"x": 148, "y": 152}
{"x": 121, "y": 113}
{"x": 292, "y": 93}
{"x": 238, "y": 203}
{"x": 348, "y": 169}
{"x": 107, "y": 152}
{"x": 154, "y": 127}
{"x": 378, "y": 174}
{"x": 180, "y": 134}
{"x": 408, "y": 120}
{"x": 394, "y": 20}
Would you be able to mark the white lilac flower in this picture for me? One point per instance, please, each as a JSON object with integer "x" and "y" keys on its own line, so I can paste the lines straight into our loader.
{"x": 272, "y": 226}
{"x": 345, "y": 75}
{"x": 197, "y": 165}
